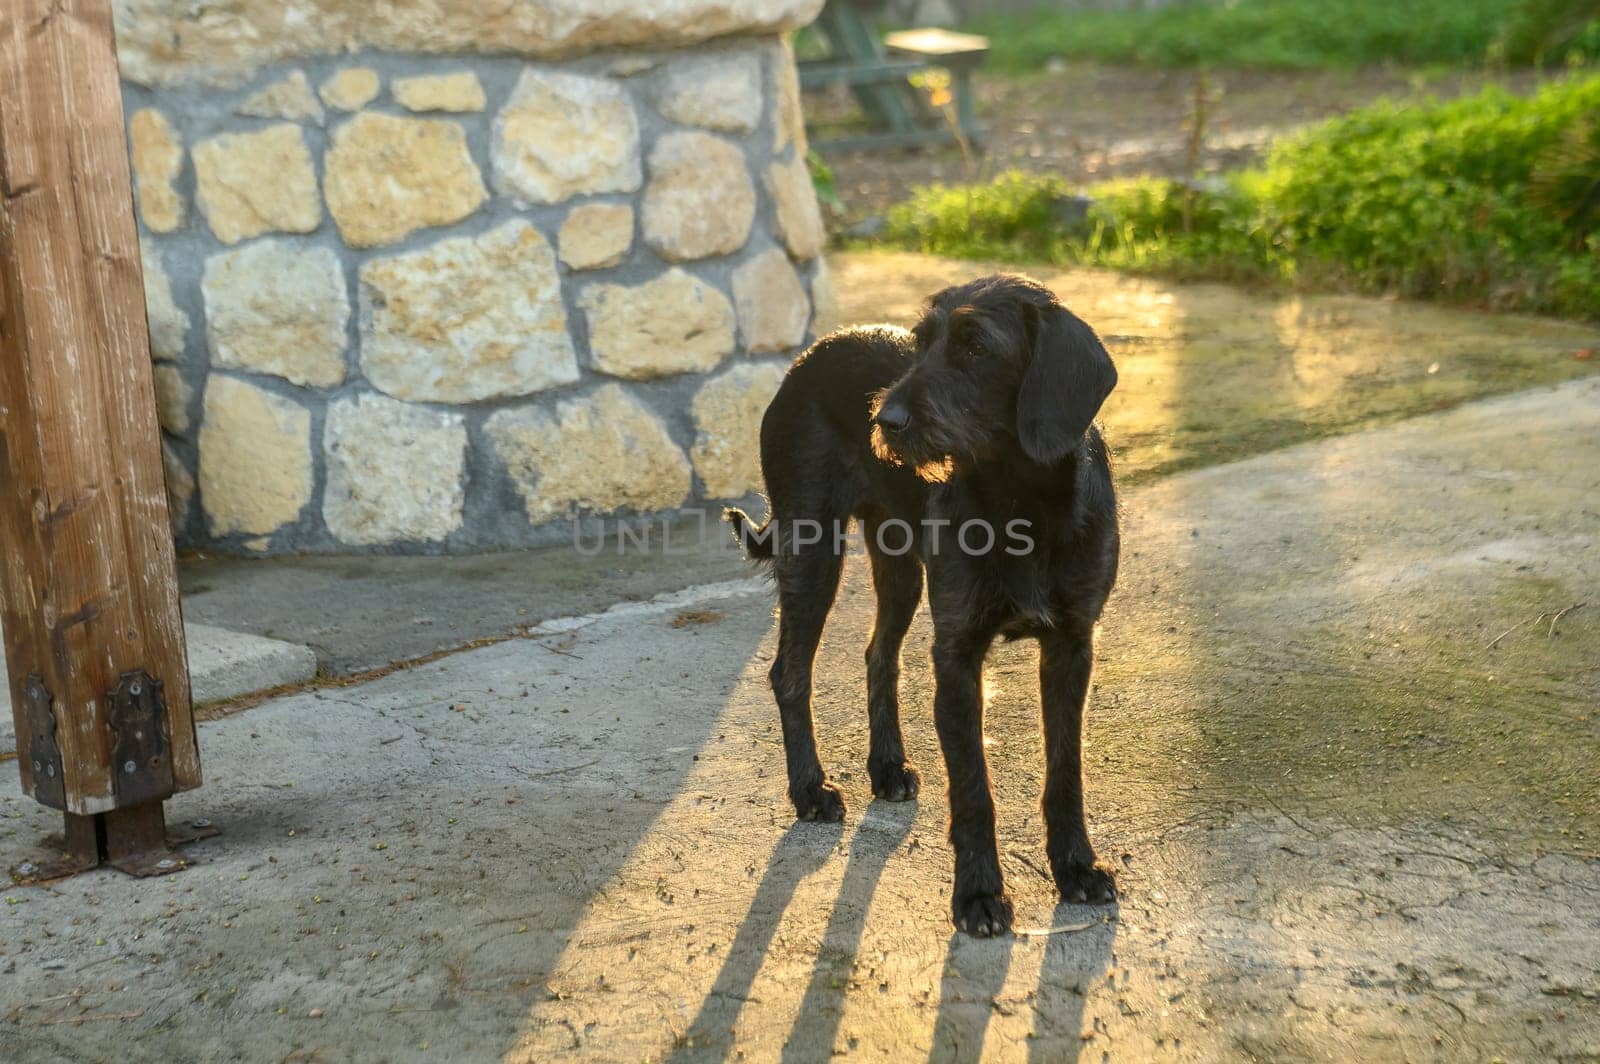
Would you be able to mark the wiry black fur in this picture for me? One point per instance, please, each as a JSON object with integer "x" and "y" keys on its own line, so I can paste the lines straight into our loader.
{"x": 984, "y": 411}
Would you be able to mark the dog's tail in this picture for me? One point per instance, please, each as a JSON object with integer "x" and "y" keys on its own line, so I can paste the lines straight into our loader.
{"x": 757, "y": 543}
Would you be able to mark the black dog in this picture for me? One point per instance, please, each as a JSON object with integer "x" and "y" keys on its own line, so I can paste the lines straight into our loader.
{"x": 981, "y": 418}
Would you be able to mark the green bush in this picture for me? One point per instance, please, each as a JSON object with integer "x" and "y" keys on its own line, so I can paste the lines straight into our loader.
{"x": 1014, "y": 216}
{"x": 1537, "y": 30}
{"x": 1429, "y": 201}
{"x": 1294, "y": 34}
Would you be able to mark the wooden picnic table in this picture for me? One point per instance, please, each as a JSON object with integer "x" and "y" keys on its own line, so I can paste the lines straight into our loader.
{"x": 879, "y": 72}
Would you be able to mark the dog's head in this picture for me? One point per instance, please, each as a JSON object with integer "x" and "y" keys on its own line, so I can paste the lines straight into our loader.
{"x": 1001, "y": 365}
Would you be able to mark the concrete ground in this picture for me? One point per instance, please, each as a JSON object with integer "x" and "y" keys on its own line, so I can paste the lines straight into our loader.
{"x": 1341, "y": 752}
{"x": 364, "y": 612}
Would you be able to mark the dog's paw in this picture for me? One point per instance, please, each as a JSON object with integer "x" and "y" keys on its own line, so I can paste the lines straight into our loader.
{"x": 982, "y": 915}
{"x": 895, "y": 783}
{"x": 818, "y": 801}
{"x": 1085, "y": 882}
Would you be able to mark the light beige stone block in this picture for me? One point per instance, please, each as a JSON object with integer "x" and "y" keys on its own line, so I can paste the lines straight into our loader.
{"x": 727, "y": 411}
{"x": 789, "y": 124}
{"x": 255, "y": 458}
{"x": 180, "y": 485}
{"x": 351, "y": 89}
{"x": 799, "y": 217}
{"x": 172, "y": 398}
{"x": 163, "y": 41}
{"x": 717, "y": 91}
{"x": 272, "y": 307}
{"x": 700, "y": 200}
{"x": 599, "y": 453}
{"x": 156, "y": 151}
{"x": 253, "y": 183}
{"x": 460, "y": 92}
{"x": 596, "y": 235}
{"x": 290, "y": 98}
{"x": 169, "y": 326}
{"x": 394, "y": 471}
{"x": 675, "y": 323}
{"x": 467, "y": 319}
{"x": 562, "y": 135}
{"x": 389, "y": 176}
{"x": 772, "y": 305}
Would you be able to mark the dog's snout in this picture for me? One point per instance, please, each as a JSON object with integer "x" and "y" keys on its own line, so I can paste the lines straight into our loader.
{"x": 893, "y": 416}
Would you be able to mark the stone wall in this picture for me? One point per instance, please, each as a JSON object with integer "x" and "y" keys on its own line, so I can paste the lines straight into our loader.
{"x": 416, "y": 302}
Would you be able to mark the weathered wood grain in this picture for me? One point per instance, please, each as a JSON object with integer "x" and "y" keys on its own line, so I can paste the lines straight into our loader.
{"x": 87, "y": 576}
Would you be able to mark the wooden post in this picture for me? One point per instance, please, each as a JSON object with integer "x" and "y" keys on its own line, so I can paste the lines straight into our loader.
{"x": 93, "y": 635}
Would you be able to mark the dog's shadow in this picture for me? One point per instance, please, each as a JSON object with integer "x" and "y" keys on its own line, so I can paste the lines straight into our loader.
{"x": 817, "y": 1023}
{"x": 803, "y": 849}
{"x": 1074, "y": 963}
{"x": 975, "y": 971}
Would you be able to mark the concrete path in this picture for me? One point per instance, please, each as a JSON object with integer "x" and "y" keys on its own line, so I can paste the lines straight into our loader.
{"x": 1341, "y": 752}
{"x": 223, "y": 664}
{"x": 363, "y": 612}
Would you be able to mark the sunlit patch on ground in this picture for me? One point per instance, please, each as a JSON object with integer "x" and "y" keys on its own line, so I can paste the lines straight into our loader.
{"x": 1210, "y": 373}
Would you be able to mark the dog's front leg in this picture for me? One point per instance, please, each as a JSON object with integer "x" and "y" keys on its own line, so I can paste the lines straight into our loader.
{"x": 1066, "y": 660}
{"x": 979, "y": 905}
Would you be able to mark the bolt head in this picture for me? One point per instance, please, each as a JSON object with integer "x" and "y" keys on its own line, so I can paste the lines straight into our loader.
{"x": 130, "y": 767}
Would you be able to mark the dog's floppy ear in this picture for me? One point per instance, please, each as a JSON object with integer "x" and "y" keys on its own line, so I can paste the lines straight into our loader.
{"x": 1069, "y": 375}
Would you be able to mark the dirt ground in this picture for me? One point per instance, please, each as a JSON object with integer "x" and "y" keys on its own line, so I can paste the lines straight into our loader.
{"x": 1088, "y": 122}
{"x": 1341, "y": 752}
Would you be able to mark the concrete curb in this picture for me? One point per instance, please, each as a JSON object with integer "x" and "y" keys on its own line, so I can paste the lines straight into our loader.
{"x": 222, "y": 665}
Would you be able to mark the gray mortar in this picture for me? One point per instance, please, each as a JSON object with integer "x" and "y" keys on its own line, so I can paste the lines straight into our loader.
{"x": 493, "y": 515}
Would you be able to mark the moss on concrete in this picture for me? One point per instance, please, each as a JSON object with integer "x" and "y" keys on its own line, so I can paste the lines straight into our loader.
{"x": 1371, "y": 719}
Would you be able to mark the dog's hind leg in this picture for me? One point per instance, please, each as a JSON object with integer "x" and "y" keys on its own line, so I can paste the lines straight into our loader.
{"x": 808, "y": 579}
{"x": 1066, "y": 660}
{"x": 897, "y": 581}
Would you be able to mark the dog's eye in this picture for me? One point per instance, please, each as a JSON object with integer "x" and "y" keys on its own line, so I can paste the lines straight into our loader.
{"x": 961, "y": 344}
{"x": 966, "y": 349}
{"x": 968, "y": 337}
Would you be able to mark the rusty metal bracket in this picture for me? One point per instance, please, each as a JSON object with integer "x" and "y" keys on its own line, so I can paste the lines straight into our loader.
{"x": 133, "y": 837}
{"x": 134, "y": 840}
{"x": 80, "y": 851}
{"x": 138, "y": 843}
{"x": 141, "y": 769}
{"x": 44, "y": 752}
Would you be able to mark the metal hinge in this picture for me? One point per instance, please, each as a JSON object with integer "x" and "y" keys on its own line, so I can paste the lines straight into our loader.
{"x": 44, "y": 753}
{"x": 141, "y": 766}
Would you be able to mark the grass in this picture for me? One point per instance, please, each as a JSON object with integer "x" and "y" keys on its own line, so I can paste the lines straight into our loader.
{"x": 1485, "y": 201}
{"x": 1283, "y": 34}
